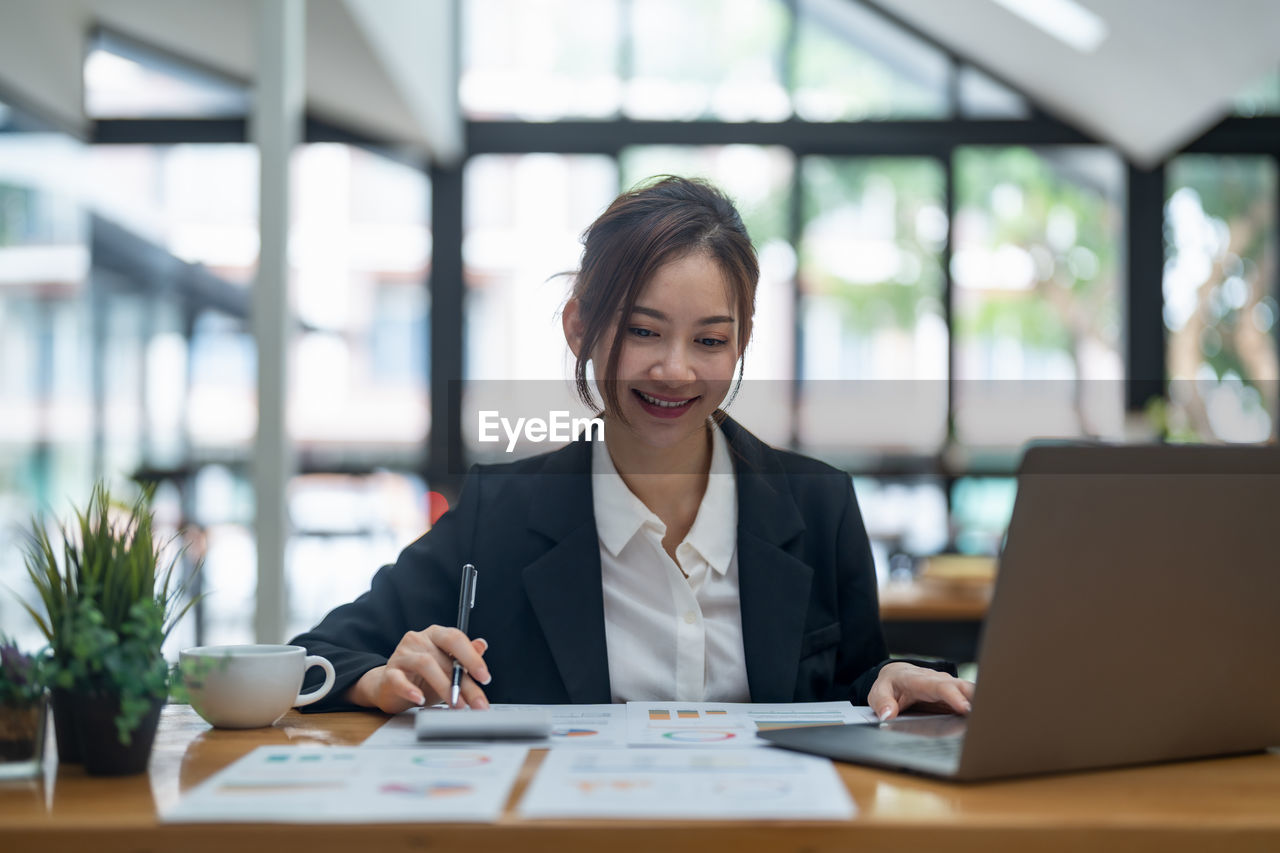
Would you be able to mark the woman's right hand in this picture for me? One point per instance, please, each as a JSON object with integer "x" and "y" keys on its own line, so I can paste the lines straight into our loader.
{"x": 420, "y": 672}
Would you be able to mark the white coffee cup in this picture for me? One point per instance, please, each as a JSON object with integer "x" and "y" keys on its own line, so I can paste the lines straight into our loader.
{"x": 247, "y": 686}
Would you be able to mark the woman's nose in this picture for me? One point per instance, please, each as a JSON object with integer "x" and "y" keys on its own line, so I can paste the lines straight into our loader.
{"x": 674, "y": 365}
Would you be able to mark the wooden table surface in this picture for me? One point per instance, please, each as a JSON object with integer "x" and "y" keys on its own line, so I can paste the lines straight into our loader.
{"x": 919, "y": 601}
{"x": 1228, "y": 804}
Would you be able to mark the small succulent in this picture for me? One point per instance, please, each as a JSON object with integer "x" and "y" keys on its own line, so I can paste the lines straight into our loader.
{"x": 20, "y": 681}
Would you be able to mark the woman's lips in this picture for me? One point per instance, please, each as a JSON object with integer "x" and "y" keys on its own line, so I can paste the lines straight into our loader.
{"x": 658, "y": 410}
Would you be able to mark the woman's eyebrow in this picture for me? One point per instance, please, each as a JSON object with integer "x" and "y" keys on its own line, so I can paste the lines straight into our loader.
{"x": 658, "y": 315}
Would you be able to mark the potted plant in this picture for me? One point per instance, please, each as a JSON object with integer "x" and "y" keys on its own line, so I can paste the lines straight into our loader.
{"x": 109, "y": 603}
{"x": 22, "y": 712}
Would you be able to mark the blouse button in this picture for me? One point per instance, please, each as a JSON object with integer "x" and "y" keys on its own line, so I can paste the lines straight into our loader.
{"x": 690, "y": 617}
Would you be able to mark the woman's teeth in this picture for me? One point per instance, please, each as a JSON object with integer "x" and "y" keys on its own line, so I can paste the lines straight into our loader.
{"x": 666, "y": 404}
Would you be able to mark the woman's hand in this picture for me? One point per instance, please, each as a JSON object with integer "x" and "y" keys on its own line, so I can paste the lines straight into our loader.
{"x": 420, "y": 672}
{"x": 902, "y": 685}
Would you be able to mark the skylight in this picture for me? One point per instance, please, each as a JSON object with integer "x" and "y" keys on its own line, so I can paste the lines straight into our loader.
{"x": 1066, "y": 20}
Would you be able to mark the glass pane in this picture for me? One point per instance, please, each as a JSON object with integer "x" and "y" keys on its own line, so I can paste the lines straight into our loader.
{"x": 540, "y": 60}
{"x": 123, "y": 79}
{"x": 1220, "y": 299}
{"x": 1260, "y": 99}
{"x": 222, "y": 533}
{"x": 359, "y": 254}
{"x": 758, "y": 179}
{"x": 47, "y": 418}
{"x": 872, "y": 305}
{"x": 198, "y": 202}
{"x": 524, "y": 216}
{"x": 345, "y": 529}
{"x": 904, "y": 516}
{"x": 707, "y": 59}
{"x": 123, "y": 373}
{"x": 980, "y": 511}
{"x": 983, "y": 97}
{"x": 1037, "y": 304}
{"x": 222, "y": 407}
{"x": 851, "y": 64}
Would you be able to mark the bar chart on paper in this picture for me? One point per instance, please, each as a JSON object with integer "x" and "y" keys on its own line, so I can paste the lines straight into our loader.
{"x": 710, "y": 724}
{"x": 686, "y": 724}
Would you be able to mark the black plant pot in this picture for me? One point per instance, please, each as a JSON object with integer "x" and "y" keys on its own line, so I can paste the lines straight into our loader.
{"x": 66, "y": 727}
{"x": 103, "y": 753}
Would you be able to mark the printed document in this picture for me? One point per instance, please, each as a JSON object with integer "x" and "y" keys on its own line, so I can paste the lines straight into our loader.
{"x": 665, "y": 724}
{"x": 327, "y": 784}
{"x": 689, "y": 784}
{"x": 729, "y": 724}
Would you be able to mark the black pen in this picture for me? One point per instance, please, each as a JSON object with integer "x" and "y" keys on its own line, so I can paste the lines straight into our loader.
{"x": 466, "y": 601}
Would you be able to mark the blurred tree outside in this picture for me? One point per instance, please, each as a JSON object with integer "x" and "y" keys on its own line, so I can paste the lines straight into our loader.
{"x": 1036, "y": 266}
{"x": 1220, "y": 311}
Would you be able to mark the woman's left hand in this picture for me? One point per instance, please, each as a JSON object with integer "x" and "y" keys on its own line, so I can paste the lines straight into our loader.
{"x": 902, "y": 685}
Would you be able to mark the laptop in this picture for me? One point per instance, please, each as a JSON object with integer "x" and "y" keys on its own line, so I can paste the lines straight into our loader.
{"x": 1135, "y": 619}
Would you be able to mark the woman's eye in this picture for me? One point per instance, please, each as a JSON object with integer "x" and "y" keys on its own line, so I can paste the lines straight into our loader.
{"x": 712, "y": 342}
{"x": 641, "y": 333}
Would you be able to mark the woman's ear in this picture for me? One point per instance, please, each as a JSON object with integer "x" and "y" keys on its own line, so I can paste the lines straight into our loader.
{"x": 574, "y": 331}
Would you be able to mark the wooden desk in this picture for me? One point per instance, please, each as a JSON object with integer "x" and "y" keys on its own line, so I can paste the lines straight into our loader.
{"x": 1220, "y": 805}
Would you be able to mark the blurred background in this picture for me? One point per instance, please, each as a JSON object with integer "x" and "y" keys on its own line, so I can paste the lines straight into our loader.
{"x": 979, "y": 222}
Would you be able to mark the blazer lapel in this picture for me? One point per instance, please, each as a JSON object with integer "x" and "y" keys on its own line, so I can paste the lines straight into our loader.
{"x": 773, "y": 585}
{"x": 564, "y": 584}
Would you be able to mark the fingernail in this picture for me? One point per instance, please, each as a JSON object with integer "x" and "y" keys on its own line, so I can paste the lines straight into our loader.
{"x": 968, "y": 706}
{"x": 485, "y": 677}
{"x": 418, "y": 698}
{"x": 483, "y": 640}
{"x": 883, "y": 713}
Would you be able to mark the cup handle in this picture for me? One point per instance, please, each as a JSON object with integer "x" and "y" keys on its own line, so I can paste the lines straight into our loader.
{"x": 321, "y": 691}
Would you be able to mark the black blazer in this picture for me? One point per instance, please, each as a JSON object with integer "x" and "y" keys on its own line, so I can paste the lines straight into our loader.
{"x": 810, "y": 618}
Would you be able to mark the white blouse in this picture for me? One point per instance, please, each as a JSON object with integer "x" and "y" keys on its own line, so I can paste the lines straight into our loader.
{"x": 670, "y": 638}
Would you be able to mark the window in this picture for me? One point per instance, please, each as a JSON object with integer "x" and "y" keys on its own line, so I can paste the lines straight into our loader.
{"x": 1037, "y": 302}
{"x": 360, "y": 249}
{"x": 693, "y": 59}
{"x": 541, "y": 60}
{"x": 850, "y": 64}
{"x": 524, "y": 215}
{"x": 124, "y": 79}
{"x": 1261, "y": 98}
{"x": 874, "y": 362}
{"x": 1220, "y": 307}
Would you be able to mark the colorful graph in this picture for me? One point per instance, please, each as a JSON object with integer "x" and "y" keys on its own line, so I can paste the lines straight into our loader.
{"x": 430, "y": 789}
{"x": 614, "y": 786}
{"x": 659, "y": 715}
{"x": 451, "y": 760}
{"x": 574, "y": 733}
{"x": 697, "y": 736}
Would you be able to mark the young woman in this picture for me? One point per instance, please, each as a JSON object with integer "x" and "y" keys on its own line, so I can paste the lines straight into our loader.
{"x": 679, "y": 559}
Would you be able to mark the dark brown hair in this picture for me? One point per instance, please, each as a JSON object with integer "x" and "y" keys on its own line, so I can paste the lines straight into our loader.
{"x": 658, "y": 221}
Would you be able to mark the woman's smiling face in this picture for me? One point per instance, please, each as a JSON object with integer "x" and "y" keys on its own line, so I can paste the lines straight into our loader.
{"x": 679, "y": 350}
